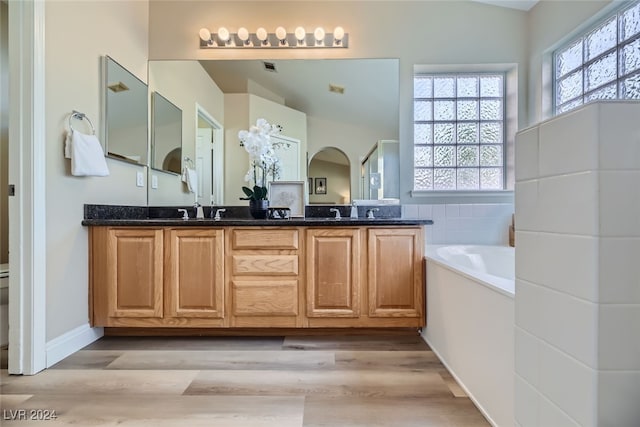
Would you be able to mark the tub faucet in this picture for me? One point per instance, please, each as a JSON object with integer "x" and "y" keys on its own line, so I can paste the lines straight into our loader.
{"x": 370, "y": 213}
{"x": 337, "y": 211}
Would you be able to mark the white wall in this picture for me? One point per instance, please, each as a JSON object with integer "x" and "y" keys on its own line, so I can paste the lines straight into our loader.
{"x": 474, "y": 33}
{"x": 73, "y": 81}
{"x": 193, "y": 86}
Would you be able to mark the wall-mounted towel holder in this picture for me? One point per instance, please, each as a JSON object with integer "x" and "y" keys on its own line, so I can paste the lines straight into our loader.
{"x": 80, "y": 116}
{"x": 189, "y": 163}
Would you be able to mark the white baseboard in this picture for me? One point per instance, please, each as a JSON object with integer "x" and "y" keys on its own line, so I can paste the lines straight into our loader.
{"x": 70, "y": 342}
{"x": 460, "y": 382}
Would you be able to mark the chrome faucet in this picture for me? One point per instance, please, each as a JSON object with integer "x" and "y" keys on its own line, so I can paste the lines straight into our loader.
{"x": 337, "y": 211}
{"x": 199, "y": 210}
{"x": 185, "y": 215}
{"x": 218, "y": 217}
{"x": 370, "y": 213}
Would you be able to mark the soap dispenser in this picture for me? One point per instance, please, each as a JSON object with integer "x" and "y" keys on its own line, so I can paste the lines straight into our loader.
{"x": 354, "y": 210}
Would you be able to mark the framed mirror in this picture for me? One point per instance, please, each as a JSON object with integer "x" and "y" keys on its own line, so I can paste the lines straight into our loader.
{"x": 125, "y": 114}
{"x": 166, "y": 135}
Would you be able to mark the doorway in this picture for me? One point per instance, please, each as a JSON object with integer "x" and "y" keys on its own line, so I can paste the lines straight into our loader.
{"x": 209, "y": 159}
{"x": 330, "y": 177}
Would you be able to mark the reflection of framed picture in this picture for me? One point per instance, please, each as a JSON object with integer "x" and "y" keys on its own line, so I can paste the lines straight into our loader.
{"x": 321, "y": 186}
{"x": 310, "y": 185}
{"x": 287, "y": 194}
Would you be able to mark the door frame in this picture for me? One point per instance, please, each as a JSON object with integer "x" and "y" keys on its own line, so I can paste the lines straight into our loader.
{"x": 218, "y": 147}
{"x": 27, "y": 171}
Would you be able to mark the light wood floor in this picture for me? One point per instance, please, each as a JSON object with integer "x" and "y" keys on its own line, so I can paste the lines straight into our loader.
{"x": 296, "y": 381}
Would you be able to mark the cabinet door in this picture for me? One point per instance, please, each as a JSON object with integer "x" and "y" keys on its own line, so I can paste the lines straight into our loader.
{"x": 395, "y": 272}
{"x": 134, "y": 272}
{"x": 333, "y": 272}
{"x": 195, "y": 273}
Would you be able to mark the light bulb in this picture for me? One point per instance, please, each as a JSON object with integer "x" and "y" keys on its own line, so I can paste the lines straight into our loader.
{"x": 338, "y": 34}
{"x": 223, "y": 34}
{"x": 319, "y": 35}
{"x": 261, "y": 33}
{"x": 205, "y": 35}
{"x": 300, "y": 33}
{"x": 243, "y": 34}
{"x": 281, "y": 34}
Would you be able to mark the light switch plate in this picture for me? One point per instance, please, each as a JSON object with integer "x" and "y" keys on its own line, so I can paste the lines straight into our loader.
{"x": 154, "y": 182}
{"x": 139, "y": 179}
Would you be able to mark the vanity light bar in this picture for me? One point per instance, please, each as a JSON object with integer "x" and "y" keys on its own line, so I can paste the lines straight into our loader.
{"x": 280, "y": 39}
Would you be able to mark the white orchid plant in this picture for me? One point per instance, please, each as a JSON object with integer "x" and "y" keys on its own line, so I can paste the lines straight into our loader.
{"x": 262, "y": 157}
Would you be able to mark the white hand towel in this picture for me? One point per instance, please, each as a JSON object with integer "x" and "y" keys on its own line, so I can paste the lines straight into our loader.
{"x": 87, "y": 157}
{"x": 190, "y": 177}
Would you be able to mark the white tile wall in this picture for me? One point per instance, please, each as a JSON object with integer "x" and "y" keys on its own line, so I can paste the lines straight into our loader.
{"x": 620, "y": 203}
{"x": 526, "y": 153}
{"x": 527, "y": 356}
{"x": 577, "y": 151}
{"x": 619, "y": 270}
{"x": 527, "y": 408}
{"x": 568, "y": 384}
{"x": 558, "y": 318}
{"x": 480, "y": 224}
{"x": 569, "y": 203}
{"x": 617, "y": 389}
{"x": 621, "y": 148}
{"x": 577, "y": 297}
{"x": 619, "y": 322}
{"x": 566, "y": 263}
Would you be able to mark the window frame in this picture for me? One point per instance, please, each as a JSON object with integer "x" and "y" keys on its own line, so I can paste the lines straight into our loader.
{"x": 464, "y": 193}
{"x": 584, "y": 65}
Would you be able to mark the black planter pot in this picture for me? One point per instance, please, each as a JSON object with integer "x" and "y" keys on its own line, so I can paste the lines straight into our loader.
{"x": 258, "y": 208}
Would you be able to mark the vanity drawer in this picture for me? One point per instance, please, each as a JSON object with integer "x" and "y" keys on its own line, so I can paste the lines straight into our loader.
{"x": 265, "y": 265}
{"x": 259, "y": 238}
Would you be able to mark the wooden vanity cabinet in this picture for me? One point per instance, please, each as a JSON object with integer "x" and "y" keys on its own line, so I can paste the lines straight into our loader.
{"x": 334, "y": 276}
{"x": 257, "y": 277}
{"x": 194, "y": 275}
{"x": 126, "y": 273}
{"x": 395, "y": 277}
{"x": 157, "y": 276}
{"x": 365, "y": 277}
{"x": 264, "y": 284}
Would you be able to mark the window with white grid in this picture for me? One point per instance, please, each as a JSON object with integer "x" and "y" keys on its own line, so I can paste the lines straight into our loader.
{"x": 603, "y": 63}
{"x": 458, "y": 132}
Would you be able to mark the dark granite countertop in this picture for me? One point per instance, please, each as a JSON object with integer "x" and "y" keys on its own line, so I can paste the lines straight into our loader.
{"x": 311, "y": 222}
{"x": 320, "y": 216}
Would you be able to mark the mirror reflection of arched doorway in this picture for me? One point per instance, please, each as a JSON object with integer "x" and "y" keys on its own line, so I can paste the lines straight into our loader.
{"x": 329, "y": 177}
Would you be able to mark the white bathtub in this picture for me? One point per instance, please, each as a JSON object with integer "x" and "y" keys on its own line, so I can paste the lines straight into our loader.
{"x": 470, "y": 322}
{"x": 492, "y": 266}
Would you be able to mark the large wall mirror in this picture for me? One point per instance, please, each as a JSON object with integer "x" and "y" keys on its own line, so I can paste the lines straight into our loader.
{"x": 126, "y": 114}
{"x": 166, "y": 135}
{"x": 349, "y": 104}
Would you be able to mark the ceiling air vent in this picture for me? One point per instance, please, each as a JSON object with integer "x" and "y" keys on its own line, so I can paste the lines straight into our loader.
{"x": 118, "y": 87}
{"x": 336, "y": 89}
{"x": 270, "y": 66}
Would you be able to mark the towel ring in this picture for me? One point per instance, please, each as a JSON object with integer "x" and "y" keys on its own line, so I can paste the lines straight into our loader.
{"x": 81, "y": 116}
{"x": 189, "y": 162}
